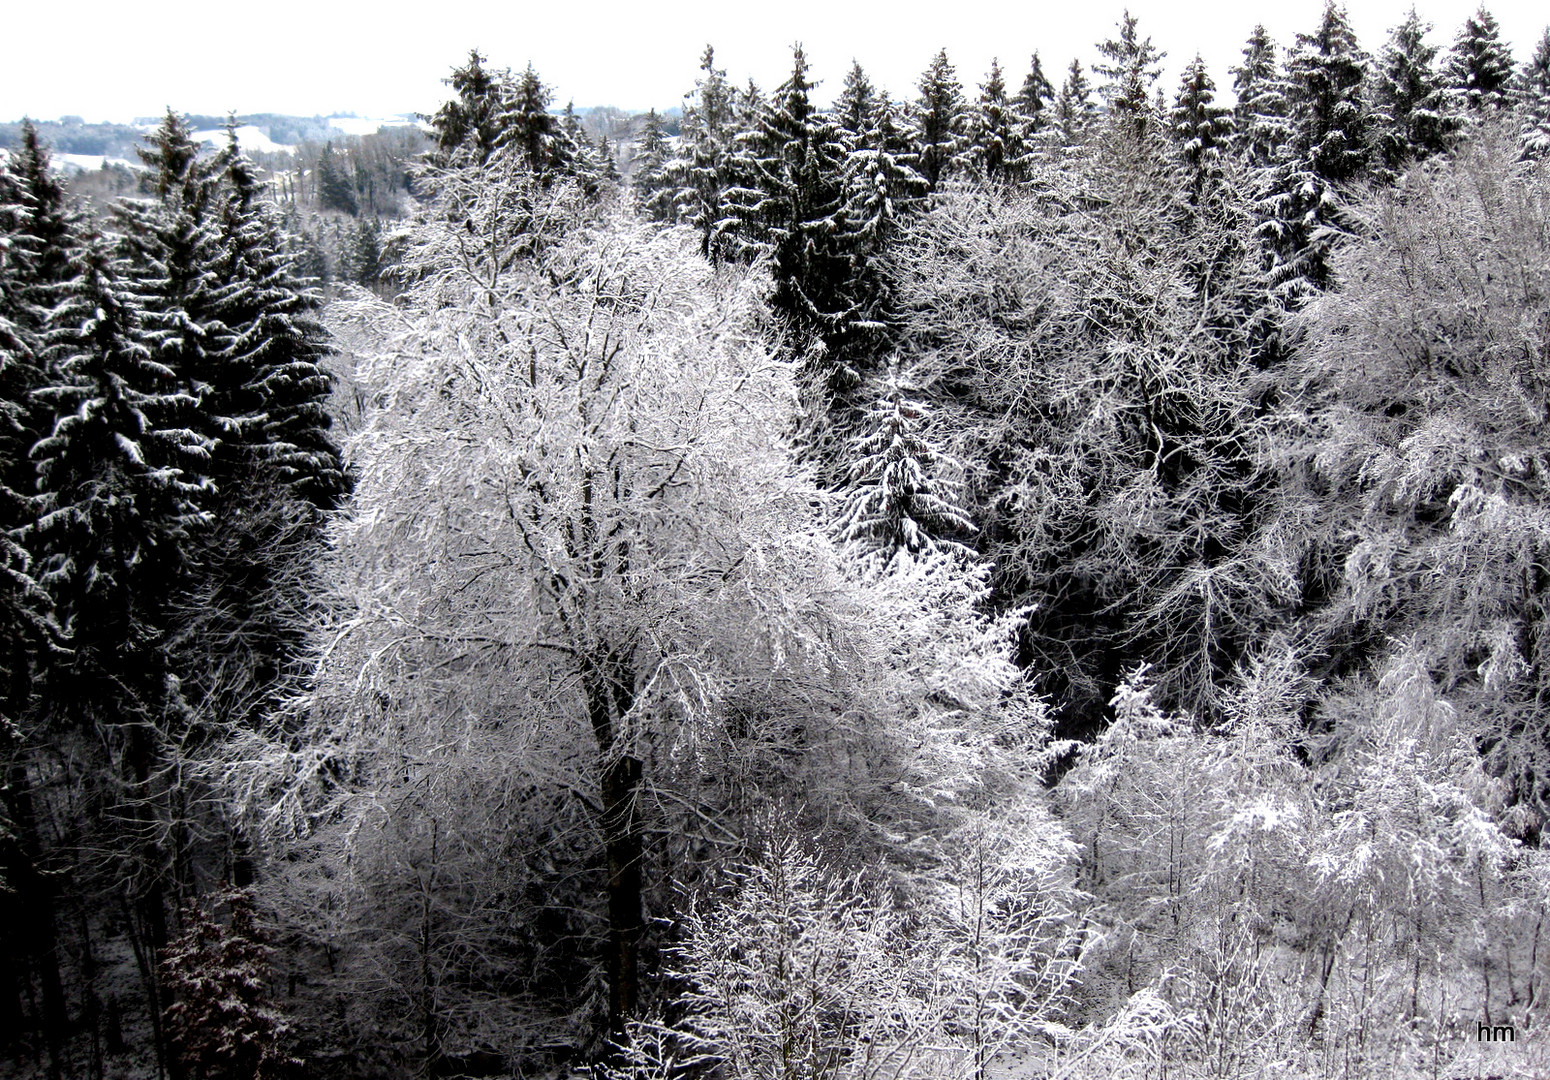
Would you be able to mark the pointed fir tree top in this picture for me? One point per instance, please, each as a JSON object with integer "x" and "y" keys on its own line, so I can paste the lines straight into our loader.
{"x": 1200, "y": 125}
{"x": 1480, "y": 65}
{"x": 1534, "y": 78}
{"x": 940, "y": 90}
{"x": 857, "y": 103}
{"x": 993, "y": 89}
{"x": 528, "y": 130}
{"x": 29, "y": 164}
{"x": 1259, "y": 65}
{"x": 172, "y": 157}
{"x": 236, "y": 168}
{"x": 46, "y": 222}
{"x": 1037, "y": 93}
{"x": 1327, "y": 76}
{"x": 468, "y": 124}
{"x": 1133, "y": 68}
{"x": 797, "y": 86}
{"x": 1408, "y": 60}
{"x": 1409, "y": 97}
{"x": 939, "y": 118}
{"x": 1334, "y": 39}
{"x": 709, "y": 107}
{"x": 1075, "y": 108}
{"x": 1260, "y": 122}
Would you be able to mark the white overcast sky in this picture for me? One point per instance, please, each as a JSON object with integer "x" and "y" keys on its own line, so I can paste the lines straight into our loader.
{"x": 116, "y": 60}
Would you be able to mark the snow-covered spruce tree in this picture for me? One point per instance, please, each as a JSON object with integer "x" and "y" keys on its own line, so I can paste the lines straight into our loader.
{"x": 1533, "y": 96}
{"x": 938, "y": 116}
{"x": 39, "y": 233}
{"x": 649, "y": 178}
{"x": 335, "y": 188}
{"x": 362, "y": 261}
{"x": 528, "y": 132}
{"x": 994, "y": 136}
{"x": 30, "y": 201}
{"x": 856, "y": 106}
{"x": 171, "y": 252}
{"x": 1410, "y": 101}
{"x": 466, "y": 129}
{"x": 1130, "y": 70}
{"x": 1260, "y": 125}
{"x": 576, "y": 147}
{"x": 222, "y": 1024}
{"x": 1075, "y": 110}
{"x": 121, "y": 491}
{"x": 272, "y": 463}
{"x": 1035, "y": 102}
{"x": 789, "y": 204}
{"x": 1331, "y": 146}
{"x": 882, "y": 192}
{"x": 1201, "y": 128}
{"x": 900, "y": 504}
{"x": 702, "y": 169}
{"x": 1479, "y": 67}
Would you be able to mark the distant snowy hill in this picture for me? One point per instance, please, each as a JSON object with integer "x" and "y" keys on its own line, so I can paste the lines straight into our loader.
{"x": 90, "y": 162}
{"x": 249, "y": 137}
{"x": 361, "y": 125}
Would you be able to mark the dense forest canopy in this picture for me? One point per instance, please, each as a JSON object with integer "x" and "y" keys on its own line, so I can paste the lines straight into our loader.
{"x": 1046, "y": 577}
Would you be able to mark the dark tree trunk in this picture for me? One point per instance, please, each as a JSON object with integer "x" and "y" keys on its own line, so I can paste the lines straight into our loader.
{"x": 622, "y": 833}
{"x": 149, "y": 906}
{"x": 34, "y": 908}
{"x": 608, "y": 700}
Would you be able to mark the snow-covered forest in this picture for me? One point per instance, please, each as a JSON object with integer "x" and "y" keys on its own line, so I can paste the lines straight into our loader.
{"x": 1048, "y": 578}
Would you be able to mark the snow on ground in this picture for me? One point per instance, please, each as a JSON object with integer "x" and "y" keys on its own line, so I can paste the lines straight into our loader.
{"x": 248, "y": 137}
{"x": 73, "y": 163}
{"x": 361, "y": 125}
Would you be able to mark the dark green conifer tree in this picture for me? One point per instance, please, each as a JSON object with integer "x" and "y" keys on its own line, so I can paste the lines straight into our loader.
{"x": 855, "y": 108}
{"x": 790, "y": 205}
{"x": 899, "y": 505}
{"x": 1331, "y": 146}
{"x": 1035, "y": 102}
{"x": 31, "y": 203}
{"x": 170, "y": 251}
{"x": 122, "y": 492}
{"x": 335, "y": 189}
{"x": 649, "y": 177}
{"x": 363, "y": 253}
{"x": 702, "y": 172}
{"x": 466, "y": 129}
{"x": 995, "y": 149}
{"x": 1479, "y": 68}
{"x": 272, "y": 348}
{"x": 939, "y": 121}
{"x": 1075, "y": 110}
{"x": 882, "y": 191}
{"x": 608, "y": 162}
{"x": 1201, "y": 128}
{"x": 1132, "y": 69}
{"x": 579, "y": 153}
{"x": 1261, "y": 129}
{"x": 1411, "y": 111}
{"x": 528, "y": 131}
{"x": 1533, "y": 95}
